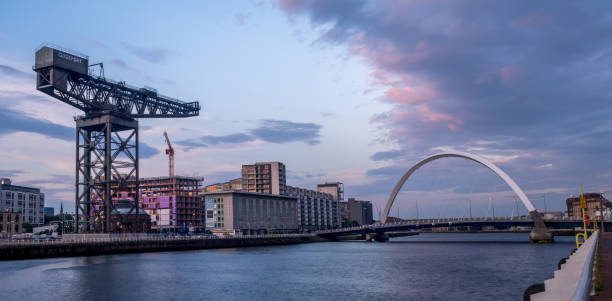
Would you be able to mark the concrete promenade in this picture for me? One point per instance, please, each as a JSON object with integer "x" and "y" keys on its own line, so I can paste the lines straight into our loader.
{"x": 118, "y": 245}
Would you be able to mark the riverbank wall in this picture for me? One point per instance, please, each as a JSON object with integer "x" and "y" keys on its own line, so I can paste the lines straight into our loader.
{"x": 20, "y": 251}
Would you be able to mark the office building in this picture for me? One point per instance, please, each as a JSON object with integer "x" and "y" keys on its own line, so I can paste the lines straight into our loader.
{"x": 240, "y": 212}
{"x": 264, "y": 177}
{"x": 30, "y": 202}
{"x": 316, "y": 210}
{"x": 594, "y": 202}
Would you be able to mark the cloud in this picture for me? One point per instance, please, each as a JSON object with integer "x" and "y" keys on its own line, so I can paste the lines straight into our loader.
{"x": 8, "y": 173}
{"x": 511, "y": 73}
{"x": 274, "y": 131}
{"x": 17, "y": 121}
{"x": 283, "y": 131}
{"x": 206, "y": 141}
{"x": 151, "y": 55}
{"x": 387, "y": 155}
{"x": 12, "y": 72}
{"x": 146, "y": 151}
{"x": 120, "y": 63}
{"x": 240, "y": 18}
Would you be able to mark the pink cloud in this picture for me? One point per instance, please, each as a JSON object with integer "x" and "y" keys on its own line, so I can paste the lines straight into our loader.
{"x": 430, "y": 116}
{"x": 411, "y": 94}
{"x": 531, "y": 20}
{"x": 507, "y": 74}
{"x": 292, "y": 6}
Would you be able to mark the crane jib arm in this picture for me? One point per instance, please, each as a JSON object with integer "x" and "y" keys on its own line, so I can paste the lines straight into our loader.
{"x": 64, "y": 76}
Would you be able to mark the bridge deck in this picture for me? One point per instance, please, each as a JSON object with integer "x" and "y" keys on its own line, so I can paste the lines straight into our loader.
{"x": 452, "y": 222}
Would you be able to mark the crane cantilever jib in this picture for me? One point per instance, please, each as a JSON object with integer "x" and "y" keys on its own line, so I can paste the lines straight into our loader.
{"x": 106, "y": 136}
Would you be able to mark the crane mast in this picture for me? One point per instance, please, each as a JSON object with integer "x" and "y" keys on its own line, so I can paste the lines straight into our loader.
{"x": 170, "y": 153}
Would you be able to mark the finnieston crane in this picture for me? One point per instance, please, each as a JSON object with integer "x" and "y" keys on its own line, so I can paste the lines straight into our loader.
{"x": 107, "y": 134}
{"x": 170, "y": 153}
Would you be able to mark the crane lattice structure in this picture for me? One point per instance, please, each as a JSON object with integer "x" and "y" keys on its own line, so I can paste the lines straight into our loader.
{"x": 106, "y": 135}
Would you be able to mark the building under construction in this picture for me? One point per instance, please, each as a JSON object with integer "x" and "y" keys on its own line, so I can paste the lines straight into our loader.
{"x": 173, "y": 203}
{"x": 170, "y": 204}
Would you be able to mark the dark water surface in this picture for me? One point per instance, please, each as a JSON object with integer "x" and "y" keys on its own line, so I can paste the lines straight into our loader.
{"x": 425, "y": 267}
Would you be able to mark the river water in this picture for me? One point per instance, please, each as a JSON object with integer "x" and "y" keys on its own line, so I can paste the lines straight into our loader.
{"x": 425, "y": 267}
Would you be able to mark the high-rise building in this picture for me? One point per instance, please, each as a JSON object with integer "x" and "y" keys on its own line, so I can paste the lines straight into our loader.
{"x": 238, "y": 212}
{"x": 30, "y": 202}
{"x": 316, "y": 210}
{"x": 264, "y": 177}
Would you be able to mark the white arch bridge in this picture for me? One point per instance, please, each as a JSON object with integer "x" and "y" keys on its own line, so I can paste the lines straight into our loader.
{"x": 539, "y": 233}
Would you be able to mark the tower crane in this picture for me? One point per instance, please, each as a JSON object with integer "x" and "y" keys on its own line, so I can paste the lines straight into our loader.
{"x": 170, "y": 153}
{"x": 107, "y": 134}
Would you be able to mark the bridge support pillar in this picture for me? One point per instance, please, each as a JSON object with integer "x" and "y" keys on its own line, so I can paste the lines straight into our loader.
{"x": 539, "y": 233}
{"x": 379, "y": 237}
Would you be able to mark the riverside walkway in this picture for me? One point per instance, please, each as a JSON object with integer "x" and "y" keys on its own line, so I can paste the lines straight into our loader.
{"x": 605, "y": 259}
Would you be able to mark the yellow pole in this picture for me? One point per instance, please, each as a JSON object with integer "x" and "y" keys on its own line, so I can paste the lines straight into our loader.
{"x": 584, "y": 226}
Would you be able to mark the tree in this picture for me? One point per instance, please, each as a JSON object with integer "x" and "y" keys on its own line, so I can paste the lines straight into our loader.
{"x": 27, "y": 227}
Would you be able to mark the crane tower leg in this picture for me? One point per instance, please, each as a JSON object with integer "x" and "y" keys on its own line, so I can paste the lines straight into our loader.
{"x": 107, "y": 164}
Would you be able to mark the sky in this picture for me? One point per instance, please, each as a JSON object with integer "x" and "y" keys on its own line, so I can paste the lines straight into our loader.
{"x": 346, "y": 90}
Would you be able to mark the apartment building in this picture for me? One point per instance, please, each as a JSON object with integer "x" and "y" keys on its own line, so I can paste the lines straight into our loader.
{"x": 264, "y": 177}
{"x": 30, "y": 202}
{"x": 316, "y": 210}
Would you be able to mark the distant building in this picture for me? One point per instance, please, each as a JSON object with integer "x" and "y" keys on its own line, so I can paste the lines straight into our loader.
{"x": 10, "y": 223}
{"x": 232, "y": 185}
{"x": 30, "y": 202}
{"x": 345, "y": 216}
{"x": 594, "y": 202}
{"x": 552, "y": 214}
{"x": 49, "y": 211}
{"x": 316, "y": 210}
{"x": 359, "y": 212}
{"x": 264, "y": 177}
{"x": 336, "y": 189}
{"x": 127, "y": 220}
{"x": 239, "y": 212}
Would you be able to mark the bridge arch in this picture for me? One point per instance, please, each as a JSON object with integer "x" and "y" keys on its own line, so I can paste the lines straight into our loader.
{"x": 517, "y": 190}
